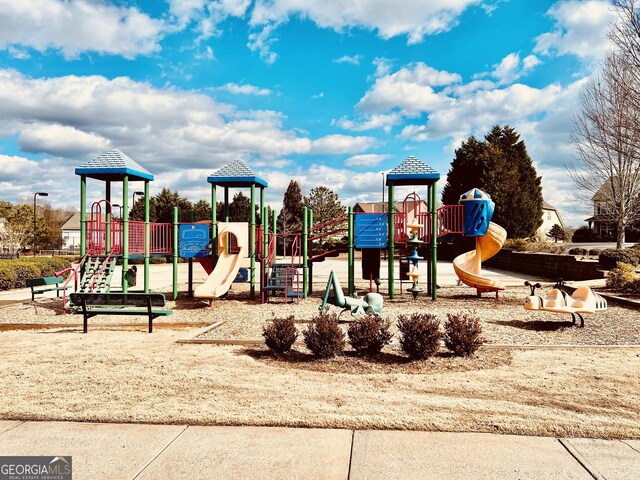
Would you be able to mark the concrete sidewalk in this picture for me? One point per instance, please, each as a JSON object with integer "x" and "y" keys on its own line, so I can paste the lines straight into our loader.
{"x": 121, "y": 451}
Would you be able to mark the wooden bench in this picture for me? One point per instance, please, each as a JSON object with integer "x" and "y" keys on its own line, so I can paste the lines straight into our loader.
{"x": 46, "y": 283}
{"x": 120, "y": 304}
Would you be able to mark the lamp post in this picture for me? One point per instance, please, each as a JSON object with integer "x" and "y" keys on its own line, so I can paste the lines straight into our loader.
{"x": 134, "y": 198}
{"x": 382, "y": 209}
{"x": 119, "y": 207}
{"x": 42, "y": 194}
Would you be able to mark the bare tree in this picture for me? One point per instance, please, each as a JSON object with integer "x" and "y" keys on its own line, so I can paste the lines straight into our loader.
{"x": 605, "y": 133}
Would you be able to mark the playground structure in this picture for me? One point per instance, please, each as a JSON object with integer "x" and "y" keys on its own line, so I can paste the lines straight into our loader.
{"x": 279, "y": 263}
{"x": 489, "y": 240}
{"x": 583, "y": 300}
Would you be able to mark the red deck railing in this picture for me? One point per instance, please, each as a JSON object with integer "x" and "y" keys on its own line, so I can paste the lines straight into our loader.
{"x": 160, "y": 237}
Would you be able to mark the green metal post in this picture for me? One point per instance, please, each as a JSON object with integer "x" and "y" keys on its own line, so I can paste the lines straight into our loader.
{"x": 350, "y": 256}
{"x": 107, "y": 239}
{"x": 190, "y": 273}
{"x": 147, "y": 236}
{"x": 310, "y": 254}
{"x": 125, "y": 232}
{"x": 434, "y": 245}
{"x": 83, "y": 215}
{"x": 265, "y": 250}
{"x": 175, "y": 253}
{"x": 305, "y": 237}
{"x": 226, "y": 204}
{"x": 274, "y": 229}
{"x": 391, "y": 236}
{"x": 252, "y": 242}
{"x": 429, "y": 269}
{"x": 214, "y": 225}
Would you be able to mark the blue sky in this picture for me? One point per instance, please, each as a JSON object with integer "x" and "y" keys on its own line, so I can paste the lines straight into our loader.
{"x": 331, "y": 92}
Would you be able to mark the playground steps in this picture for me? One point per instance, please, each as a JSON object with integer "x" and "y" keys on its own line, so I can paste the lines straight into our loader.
{"x": 282, "y": 279}
{"x": 97, "y": 274}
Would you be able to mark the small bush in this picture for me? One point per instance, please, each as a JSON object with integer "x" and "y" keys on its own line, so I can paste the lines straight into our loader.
{"x": 516, "y": 244}
{"x": 594, "y": 252}
{"x": 419, "y": 335}
{"x": 578, "y": 251}
{"x": 280, "y": 334}
{"x": 622, "y": 277}
{"x": 462, "y": 334}
{"x": 583, "y": 234}
{"x": 610, "y": 257}
{"x": 368, "y": 335}
{"x": 324, "y": 337}
{"x": 14, "y": 273}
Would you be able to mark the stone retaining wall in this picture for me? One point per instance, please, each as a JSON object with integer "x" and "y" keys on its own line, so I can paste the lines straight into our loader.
{"x": 546, "y": 265}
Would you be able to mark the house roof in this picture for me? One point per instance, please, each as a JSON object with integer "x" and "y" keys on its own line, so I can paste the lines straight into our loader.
{"x": 113, "y": 165}
{"x": 236, "y": 174}
{"x": 74, "y": 221}
{"x": 548, "y": 206}
{"x": 412, "y": 171}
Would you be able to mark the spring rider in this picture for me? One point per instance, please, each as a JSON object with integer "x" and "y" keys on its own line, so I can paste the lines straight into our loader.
{"x": 370, "y": 303}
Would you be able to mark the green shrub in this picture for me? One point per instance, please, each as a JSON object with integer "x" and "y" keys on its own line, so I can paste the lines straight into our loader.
{"x": 369, "y": 334}
{"x": 578, "y": 251}
{"x": 462, "y": 334}
{"x": 323, "y": 336}
{"x": 419, "y": 335}
{"x": 622, "y": 277}
{"x": 14, "y": 273}
{"x": 583, "y": 234}
{"x": 7, "y": 276}
{"x": 516, "y": 244}
{"x": 610, "y": 257}
{"x": 280, "y": 334}
{"x": 594, "y": 252}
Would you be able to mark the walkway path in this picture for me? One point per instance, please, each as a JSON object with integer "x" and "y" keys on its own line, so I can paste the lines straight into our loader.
{"x": 121, "y": 451}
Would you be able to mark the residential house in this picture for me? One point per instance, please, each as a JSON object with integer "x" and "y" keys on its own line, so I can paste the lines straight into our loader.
{"x": 550, "y": 217}
{"x": 603, "y": 221}
{"x": 70, "y": 232}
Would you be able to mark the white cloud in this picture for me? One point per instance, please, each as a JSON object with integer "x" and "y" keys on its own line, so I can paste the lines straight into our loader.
{"x": 353, "y": 59}
{"x": 390, "y": 18}
{"x": 581, "y": 29}
{"x": 245, "y": 89}
{"x": 511, "y": 68}
{"x": 74, "y": 27}
{"x": 365, "y": 160}
{"x": 260, "y": 41}
{"x": 206, "y": 14}
{"x": 383, "y": 121}
{"x": 410, "y": 89}
{"x": 383, "y": 66}
{"x": 166, "y": 130}
{"x": 59, "y": 140}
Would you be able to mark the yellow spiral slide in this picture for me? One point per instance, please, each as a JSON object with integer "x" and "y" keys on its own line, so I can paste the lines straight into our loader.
{"x": 468, "y": 266}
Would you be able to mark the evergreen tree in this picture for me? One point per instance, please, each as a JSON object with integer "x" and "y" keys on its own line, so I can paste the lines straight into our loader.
{"x": 137, "y": 210}
{"x": 290, "y": 217}
{"x": 325, "y": 204}
{"x": 164, "y": 203}
{"x": 201, "y": 210}
{"x": 557, "y": 233}
{"x": 501, "y": 166}
{"x": 465, "y": 171}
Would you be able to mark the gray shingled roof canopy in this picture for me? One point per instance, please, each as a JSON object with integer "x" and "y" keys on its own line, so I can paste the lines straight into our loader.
{"x": 412, "y": 171}
{"x": 236, "y": 174}
{"x": 113, "y": 166}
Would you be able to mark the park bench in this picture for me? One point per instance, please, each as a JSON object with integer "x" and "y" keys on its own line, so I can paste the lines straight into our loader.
{"x": 93, "y": 304}
{"x": 48, "y": 284}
